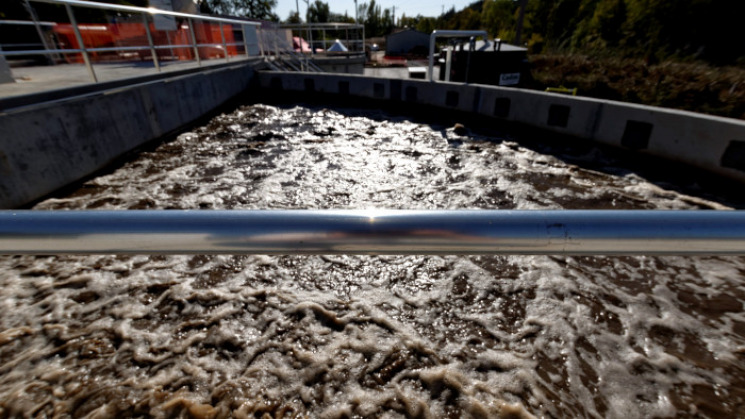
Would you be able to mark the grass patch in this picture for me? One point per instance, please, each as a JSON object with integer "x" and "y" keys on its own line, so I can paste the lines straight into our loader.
{"x": 693, "y": 86}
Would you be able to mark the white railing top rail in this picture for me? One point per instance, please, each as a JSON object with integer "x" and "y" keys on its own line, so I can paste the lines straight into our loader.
{"x": 149, "y": 10}
{"x": 326, "y": 25}
{"x": 25, "y": 22}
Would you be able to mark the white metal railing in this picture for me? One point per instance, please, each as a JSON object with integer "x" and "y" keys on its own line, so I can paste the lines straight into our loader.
{"x": 148, "y": 16}
{"x": 279, "y": 52}
{"x": 374, "y": 232}
{"x": 282, "y": 55}
{"x": 355, "y": 42}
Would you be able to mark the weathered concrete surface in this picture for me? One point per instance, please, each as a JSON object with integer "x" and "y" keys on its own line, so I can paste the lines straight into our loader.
{"x": 36, "y": 79}
{"x": 712, "y": 143}
{"x": 45, "y": 147}
{"x": 5, "y": 74}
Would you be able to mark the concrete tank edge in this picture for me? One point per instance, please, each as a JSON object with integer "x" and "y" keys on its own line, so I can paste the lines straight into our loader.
{"x": 48, "y": 146}
{"x": 712, "y": 143}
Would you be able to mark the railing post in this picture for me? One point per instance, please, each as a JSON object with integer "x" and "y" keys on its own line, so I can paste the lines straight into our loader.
{"x": 245, "y": 41}
{"x": 194, "y": 41}
{"x": 150, "y": 41}
{"x": 260, "y": 39}
{"x": 224, "y": 44}
{"x": 79, "y": 38}
{"x": 312, "y": 49}
{"x": 42, "y": 38}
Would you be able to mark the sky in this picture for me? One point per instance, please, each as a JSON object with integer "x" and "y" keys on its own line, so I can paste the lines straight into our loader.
{"x": 409, "y": 7}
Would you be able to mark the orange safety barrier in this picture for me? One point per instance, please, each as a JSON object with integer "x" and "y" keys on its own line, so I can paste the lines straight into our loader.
{"x": 112, "y": 35}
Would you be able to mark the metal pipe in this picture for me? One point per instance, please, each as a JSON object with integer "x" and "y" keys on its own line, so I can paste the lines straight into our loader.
{"x": 106, "y": 49}
{"x": 79, "y": 38}
{"x": 37, "y": 25}
{"x": 447, "y": 34}
{"x": 110, "y": 49}
{"x": 150, "y": 41}
{"x": 245, "y": 41}
{"x": 39, "y": 52}
{"x": 194, "y": 42}
{"x": 224, "y": 45}
{"x": 471, "y": 46}
{"x": 520, "y": 20}
{"x": 373, "y": 232}
{"x": 448, "y": 62}
{"x": 260, "y": 38}
{"x": 150, "y": 10}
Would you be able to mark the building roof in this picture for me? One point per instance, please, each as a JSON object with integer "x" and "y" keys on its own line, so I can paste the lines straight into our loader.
{"x": 407, "y": 31}
{"x": 337, "y": 47}
{"x": 489, "y": 46}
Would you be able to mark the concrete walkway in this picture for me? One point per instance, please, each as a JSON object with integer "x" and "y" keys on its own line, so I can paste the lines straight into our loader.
{"x": 38, "y": 79}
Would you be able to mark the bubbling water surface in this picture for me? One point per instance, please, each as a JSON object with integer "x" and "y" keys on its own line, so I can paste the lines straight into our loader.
{"x": 361, "y": 336}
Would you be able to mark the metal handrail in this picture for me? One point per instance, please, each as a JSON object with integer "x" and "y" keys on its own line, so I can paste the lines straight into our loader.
{"x": 25, "y": 22}
{"x": 374, "y": 232}
{"x": 111, "y": 49}
{"x": 323, "y": 27}
{"x": 296, "y": 61}
{"x": 150, "y": 10}
{"x": 152, "y": 47}
{"x": 326, "y": 25}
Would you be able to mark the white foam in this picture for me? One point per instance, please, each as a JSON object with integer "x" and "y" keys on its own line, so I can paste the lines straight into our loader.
{"x": 377, "y": 336}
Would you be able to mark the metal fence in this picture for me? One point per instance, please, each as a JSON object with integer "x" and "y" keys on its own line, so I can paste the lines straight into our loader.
{"x": 319, "y": 36}
{"x": 151, "y": 20}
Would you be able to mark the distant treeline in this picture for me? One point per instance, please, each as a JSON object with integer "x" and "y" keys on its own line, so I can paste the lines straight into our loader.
{"x": 710, "y": 30}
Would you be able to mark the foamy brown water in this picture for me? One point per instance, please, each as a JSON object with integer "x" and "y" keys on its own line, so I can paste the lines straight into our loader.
{"x": 358, "y": 336}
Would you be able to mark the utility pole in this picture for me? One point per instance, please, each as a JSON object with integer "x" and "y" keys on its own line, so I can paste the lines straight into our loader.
{"x": 520, "y": 19}
{"x": 42, "y": 38}
{"x": 394, "y": 16}
{"x": 310, "y": 31}
{"x": 356, "y": 20}
{"x": 297, "y": 6}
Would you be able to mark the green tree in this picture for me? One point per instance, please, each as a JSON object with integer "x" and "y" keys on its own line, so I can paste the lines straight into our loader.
{"x": 408, "y": 22}
{"x": 293, "y": 17}
{"x": 498, "y": 18}
{"x": 318, "y": 12}
{"x": 376, "y": 20}
{"x": 386, "y": 22}
{"x": 469, "y": 19}
{"x": 336, "y": 17}
{"x": 426, "y": 24}
{"x": 372, "y": 19}
{"x": 255, "y": 9}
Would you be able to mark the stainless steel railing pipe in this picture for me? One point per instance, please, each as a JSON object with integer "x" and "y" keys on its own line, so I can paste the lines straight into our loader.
{"x": 373, "y": 232}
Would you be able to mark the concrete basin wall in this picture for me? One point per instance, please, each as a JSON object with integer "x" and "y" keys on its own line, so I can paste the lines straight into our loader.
{"x": 707, "y": 142}
{"x": 47, "y": 146}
